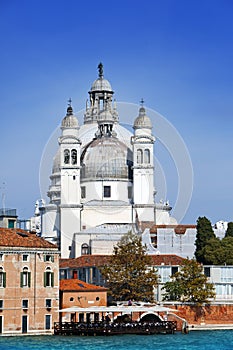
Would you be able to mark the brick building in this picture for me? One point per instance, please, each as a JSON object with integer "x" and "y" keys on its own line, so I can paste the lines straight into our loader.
{"x": 29, "y": 283}
{"x": 76, "y": 293}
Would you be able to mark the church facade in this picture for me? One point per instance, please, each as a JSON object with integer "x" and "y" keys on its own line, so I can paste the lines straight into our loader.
{"x": 102, "y": 181}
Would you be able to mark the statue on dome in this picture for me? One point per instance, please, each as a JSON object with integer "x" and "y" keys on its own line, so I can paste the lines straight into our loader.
{"x": 101, "y": 70}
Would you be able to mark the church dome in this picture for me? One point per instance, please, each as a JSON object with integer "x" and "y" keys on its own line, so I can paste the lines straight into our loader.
{"x": 106, "y": 158}
{"x": 70, "y": 121}
{"x": 142, "y": 121}
{"x": 101, "y": 84}
{"x": 56, "y": 163}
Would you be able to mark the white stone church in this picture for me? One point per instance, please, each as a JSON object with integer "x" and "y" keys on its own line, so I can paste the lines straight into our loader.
{"x": 102, "y": 180}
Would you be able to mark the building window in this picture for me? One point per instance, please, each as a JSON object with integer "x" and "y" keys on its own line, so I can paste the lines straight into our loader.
{"x": 25, "y": 257}
{"x": 97, "y": 298}
{"x": 207, "y": 271}
{"x": 48, "y": 303}
{"x": 107, "y": 191}
{"x": 174, "y": 270}
{"x": 74, "y": 156}
{"x": 226, "y": 274}
{"x": 1, "y": 257}
{"x": 48, "y": 258}
{"x": 74, "y": 177}
{"x": 83, "y": 191}
{"x": 48, "y": 278}
{"x": 164, "y": 272}
{"x": 47, "y": 321}
{"x": 139, "y": 156}
{"x": 71, "y": 299}
{"x": 25, "y": 278}
{"x": 11, "y": 223}
{"x": 129, "y": 192}
{"x": 1, "y": 304}
{"x": 2, "y": 278}
{"x": 84, "y": 249}
{"x": 147, "y": 156}
{"x": 25, "y": 303}
{"x": 66, "y": 156}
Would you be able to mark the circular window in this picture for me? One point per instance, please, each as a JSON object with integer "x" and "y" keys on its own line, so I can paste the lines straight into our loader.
{"x": 97, "y": 298}
{"x": 71, "y": 299}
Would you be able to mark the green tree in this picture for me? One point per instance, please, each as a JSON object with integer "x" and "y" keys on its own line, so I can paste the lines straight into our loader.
{"x": 129, "y": 275}
{"x": 204, "y": 234}
{"x": 229, "y": 231}
{"x": 213, "y": 252}
{"x": 219, "y": 252}
{"x": 189, "y": 284}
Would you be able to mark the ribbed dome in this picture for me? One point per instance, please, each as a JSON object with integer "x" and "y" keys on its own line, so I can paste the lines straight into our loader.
{"x": 69, "y": 121}
{"x": 101, "y": 84}
{"x": 142, "y": 121}
{"x": 106, "y": 158}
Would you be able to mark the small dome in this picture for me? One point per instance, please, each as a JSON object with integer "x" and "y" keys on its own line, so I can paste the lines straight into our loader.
{"x": 56, "y": 163}
{"x": 106, "y": 158}
{"x": 69, "y": 121}
{"x": 101, "y": 84}
{"x": 105, "y": 116}
{"x": 142, "y": 121}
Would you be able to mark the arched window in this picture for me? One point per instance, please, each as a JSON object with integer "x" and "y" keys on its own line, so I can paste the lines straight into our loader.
{"x": 139, "y": 156}
{"x": 74, "y": 156}
{"x": 85, "y": 249}
{"x": 147, "y": 156}
{"x": 2, "y": 278}
{"x": 66, "y": 156}
{"x": 48, "y": 278}
{"x": 25, "y": 278}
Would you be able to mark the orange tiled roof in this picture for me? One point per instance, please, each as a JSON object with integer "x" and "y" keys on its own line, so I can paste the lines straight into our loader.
{"x": 20, "y": 238}
{"x": 100, "y": 260}
{"x": 79, "y": 286}
{"x": 85, "y": 261}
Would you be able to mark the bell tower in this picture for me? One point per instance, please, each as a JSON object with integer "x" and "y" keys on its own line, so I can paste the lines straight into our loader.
{"x": 70, "y": 181}
{"x": 143, "y": 167}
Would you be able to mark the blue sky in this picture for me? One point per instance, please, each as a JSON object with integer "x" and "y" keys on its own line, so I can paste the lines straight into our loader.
{"x": 177, "y": 55}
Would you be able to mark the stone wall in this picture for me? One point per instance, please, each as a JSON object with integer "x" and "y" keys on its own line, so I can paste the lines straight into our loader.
{"x": 200, "y": 315}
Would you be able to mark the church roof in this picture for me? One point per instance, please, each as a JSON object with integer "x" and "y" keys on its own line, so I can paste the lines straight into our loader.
{"x": 19, "y": 238}
{"x": 106, "y": 158}
{"x": 101, "y": 84}
{"x": 69, "y": 121}
{"x": 142, "y": 121}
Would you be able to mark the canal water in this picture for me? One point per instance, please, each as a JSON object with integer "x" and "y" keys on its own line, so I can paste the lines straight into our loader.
{"x": 195, "y": 340}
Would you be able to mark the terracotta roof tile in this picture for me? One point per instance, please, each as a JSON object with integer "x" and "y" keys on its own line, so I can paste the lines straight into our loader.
{"x": 85, "y": 261}
{"x": 100, "y": 260}
{"x": 76, "y": 285}
{"x": 20, "y": 238}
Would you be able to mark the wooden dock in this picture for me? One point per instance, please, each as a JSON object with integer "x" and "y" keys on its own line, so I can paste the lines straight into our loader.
{"x": 113, "y": 328}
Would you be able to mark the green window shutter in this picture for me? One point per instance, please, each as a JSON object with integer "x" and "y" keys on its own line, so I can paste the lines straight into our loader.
{"x": 29, "y": 279}
{"x": 21, "y": 279}
{"x": 52, "y": 258}
{"x": 44, "y": 258}
{"x": 52, "y": 279}
{"x": 4, "y": 279}
{"x": 45, "y": 279}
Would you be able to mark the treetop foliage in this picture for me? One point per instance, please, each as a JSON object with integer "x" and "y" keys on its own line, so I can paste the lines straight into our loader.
{"x": 229, "y": 231}
{"x": 129, "y": 275}
{"x": 210, "y": 250}
{"x": 189, "y": 284}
